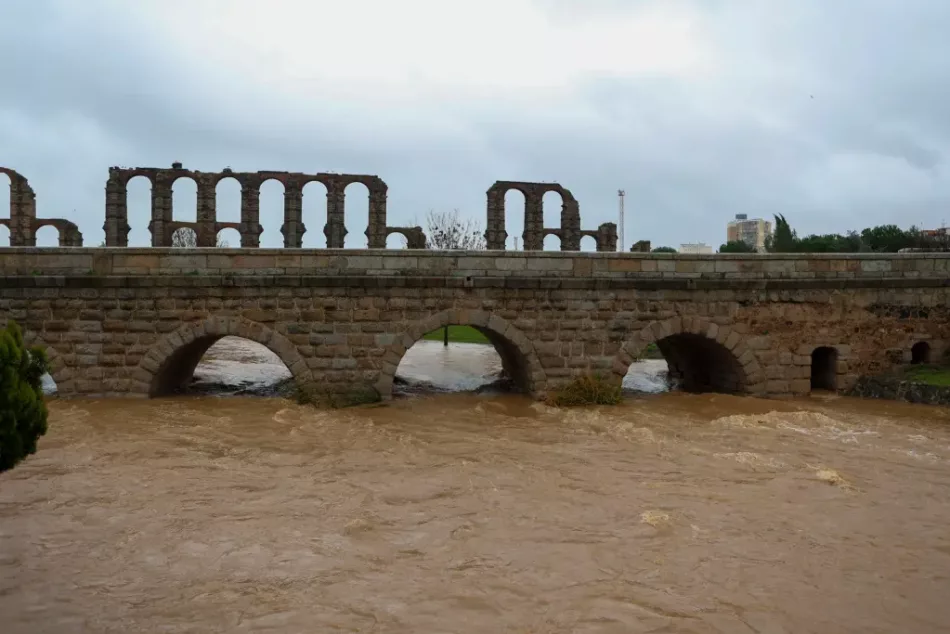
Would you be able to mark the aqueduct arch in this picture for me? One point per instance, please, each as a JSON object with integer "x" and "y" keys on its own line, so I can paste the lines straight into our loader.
{"x": 207, "y": 226}
{"x": 518, "y": 357}
{"x": 569, "y": 232}
{"x": 702, "y": 355}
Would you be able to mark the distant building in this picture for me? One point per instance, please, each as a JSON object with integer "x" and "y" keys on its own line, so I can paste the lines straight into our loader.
{"x": 752, "y": 232}
{"x": 696, "y": 247}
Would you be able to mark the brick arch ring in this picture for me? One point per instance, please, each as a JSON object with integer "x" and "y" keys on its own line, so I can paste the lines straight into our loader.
{"x": 728, "y": 338}
{"x": 492, "y": 325}
{"x": 158, "y": 356}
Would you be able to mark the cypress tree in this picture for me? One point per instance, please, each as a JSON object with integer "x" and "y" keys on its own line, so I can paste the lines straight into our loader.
{"x": 22, "y": 408}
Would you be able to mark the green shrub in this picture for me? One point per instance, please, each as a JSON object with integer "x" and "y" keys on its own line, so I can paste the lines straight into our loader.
{"x": 587, "y": 390}
{"x": 22, "y": 408}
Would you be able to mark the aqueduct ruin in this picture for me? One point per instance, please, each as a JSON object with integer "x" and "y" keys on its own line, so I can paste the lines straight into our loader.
{"x": 23, "y": 223}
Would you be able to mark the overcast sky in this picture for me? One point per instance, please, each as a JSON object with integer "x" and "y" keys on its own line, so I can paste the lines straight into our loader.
{"x": 835, "y": 113}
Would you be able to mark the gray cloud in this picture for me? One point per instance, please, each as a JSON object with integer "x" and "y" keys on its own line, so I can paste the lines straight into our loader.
{"x": 831, "y": 113}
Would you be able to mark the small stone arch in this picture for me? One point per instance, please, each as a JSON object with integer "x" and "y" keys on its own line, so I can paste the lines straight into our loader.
{"x": 415, "y": 236}
{"x": 173, "y": 358}
{"x": 920, "y": 353}
{"x": 722, "y": 342}
{"x": 57, "y": 367}
{"x": 516, "y": 351}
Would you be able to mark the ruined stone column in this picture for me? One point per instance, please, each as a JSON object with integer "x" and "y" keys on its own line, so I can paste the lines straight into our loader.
{"x": 495, "y": 234}
{"x": 293, "y": 226}
{"x": 161, "y": 213}
{"x": 22, "y": 212}
{"x": 69, "y": 235}
{"x": 250, "y": 215}
{"x": 376, "y": 231}
{"x": 607, "y": 237}
{"x": 533, "y": 236}
{"x": 207, "y": 212}
{"x": 335, "y": 229}
{"x": 116, "y": 225}
{"x": 570, "y": 225}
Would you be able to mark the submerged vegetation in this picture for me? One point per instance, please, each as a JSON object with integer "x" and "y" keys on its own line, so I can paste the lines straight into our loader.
{"x": 324, "y": 399}
{"x": 590, "y": 389}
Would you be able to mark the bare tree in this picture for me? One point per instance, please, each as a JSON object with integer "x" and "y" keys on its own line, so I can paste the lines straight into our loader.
{"x": 187, "y": 238}
{"x": 448, "y": 231}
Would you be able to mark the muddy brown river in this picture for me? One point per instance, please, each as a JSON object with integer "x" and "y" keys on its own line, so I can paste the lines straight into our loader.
{"x": 480, "y": 513}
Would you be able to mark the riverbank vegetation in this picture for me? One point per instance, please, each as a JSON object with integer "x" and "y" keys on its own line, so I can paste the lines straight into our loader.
{"x": 880, "y": 239}
{"x": 936, "y": 375}
{"x": 23, "y": 414}
{"x": 652, "y": 351}
{"x": 457, "y": 334}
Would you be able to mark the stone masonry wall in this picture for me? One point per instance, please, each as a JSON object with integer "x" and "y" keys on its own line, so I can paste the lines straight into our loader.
{"x": 134, "y": 322}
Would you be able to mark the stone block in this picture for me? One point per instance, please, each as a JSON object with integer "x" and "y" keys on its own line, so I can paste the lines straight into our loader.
{"x": 732, "y": 340}
{"x": 622, "y": 265}
{"x": 510, "y": 264}
{"x": 550, "y": 264}
{"x": 343, "y": 364}
{"x": 780, "y": 387}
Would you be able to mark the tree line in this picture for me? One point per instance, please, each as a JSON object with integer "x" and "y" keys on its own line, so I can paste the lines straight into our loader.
{"x": 879, "y": 239}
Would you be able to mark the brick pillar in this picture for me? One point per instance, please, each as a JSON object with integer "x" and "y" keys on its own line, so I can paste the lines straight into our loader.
{"x": 570, "y": 225}
{"x": 161, "y": 213}
{"x": 607, "y": 237}
{"x": 335, "y": 229}
{"x": 116, "y": 225}
{"x": 207, "y": 215}
{"x": 533, "y": 236}
{"x": 376, "y": 231}
{"x": 293, "y": 226}
{"x": 495, "y": 234}
{"x": 251, "y": 228}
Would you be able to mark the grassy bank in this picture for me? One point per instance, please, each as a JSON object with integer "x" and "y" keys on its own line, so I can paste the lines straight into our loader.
{"x": 936, "y": 375}
{"x": 458, "y": 334}
{"x": 651, "y": 352}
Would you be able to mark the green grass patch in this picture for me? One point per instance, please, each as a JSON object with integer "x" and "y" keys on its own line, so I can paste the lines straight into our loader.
{"x": 457, "y": 334}
{"x": 936, "y": 375}
{"x": 590, "y": 389}
{"x": 651, "y": 352}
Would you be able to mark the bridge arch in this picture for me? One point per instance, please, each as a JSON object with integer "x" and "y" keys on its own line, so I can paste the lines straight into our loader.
{"x": 173, "y": 359}
{"x": 702, "y": 356}
{"x": 518, "y": 356}
{"x": 57, "y": 367}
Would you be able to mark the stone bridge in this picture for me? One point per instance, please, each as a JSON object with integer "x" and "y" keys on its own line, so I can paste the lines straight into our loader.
{"x": 135, "y": 322}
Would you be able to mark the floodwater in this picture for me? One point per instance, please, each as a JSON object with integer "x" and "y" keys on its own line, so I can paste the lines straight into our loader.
{"x": 480, "y": 513}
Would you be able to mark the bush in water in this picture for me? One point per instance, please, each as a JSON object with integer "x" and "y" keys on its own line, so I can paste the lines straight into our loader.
{"x": 22, "y": 408}
{"x": 587, "y": 390}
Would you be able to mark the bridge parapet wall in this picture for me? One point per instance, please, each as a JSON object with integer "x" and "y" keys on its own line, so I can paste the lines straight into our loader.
{"x": 456, "y": 264}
